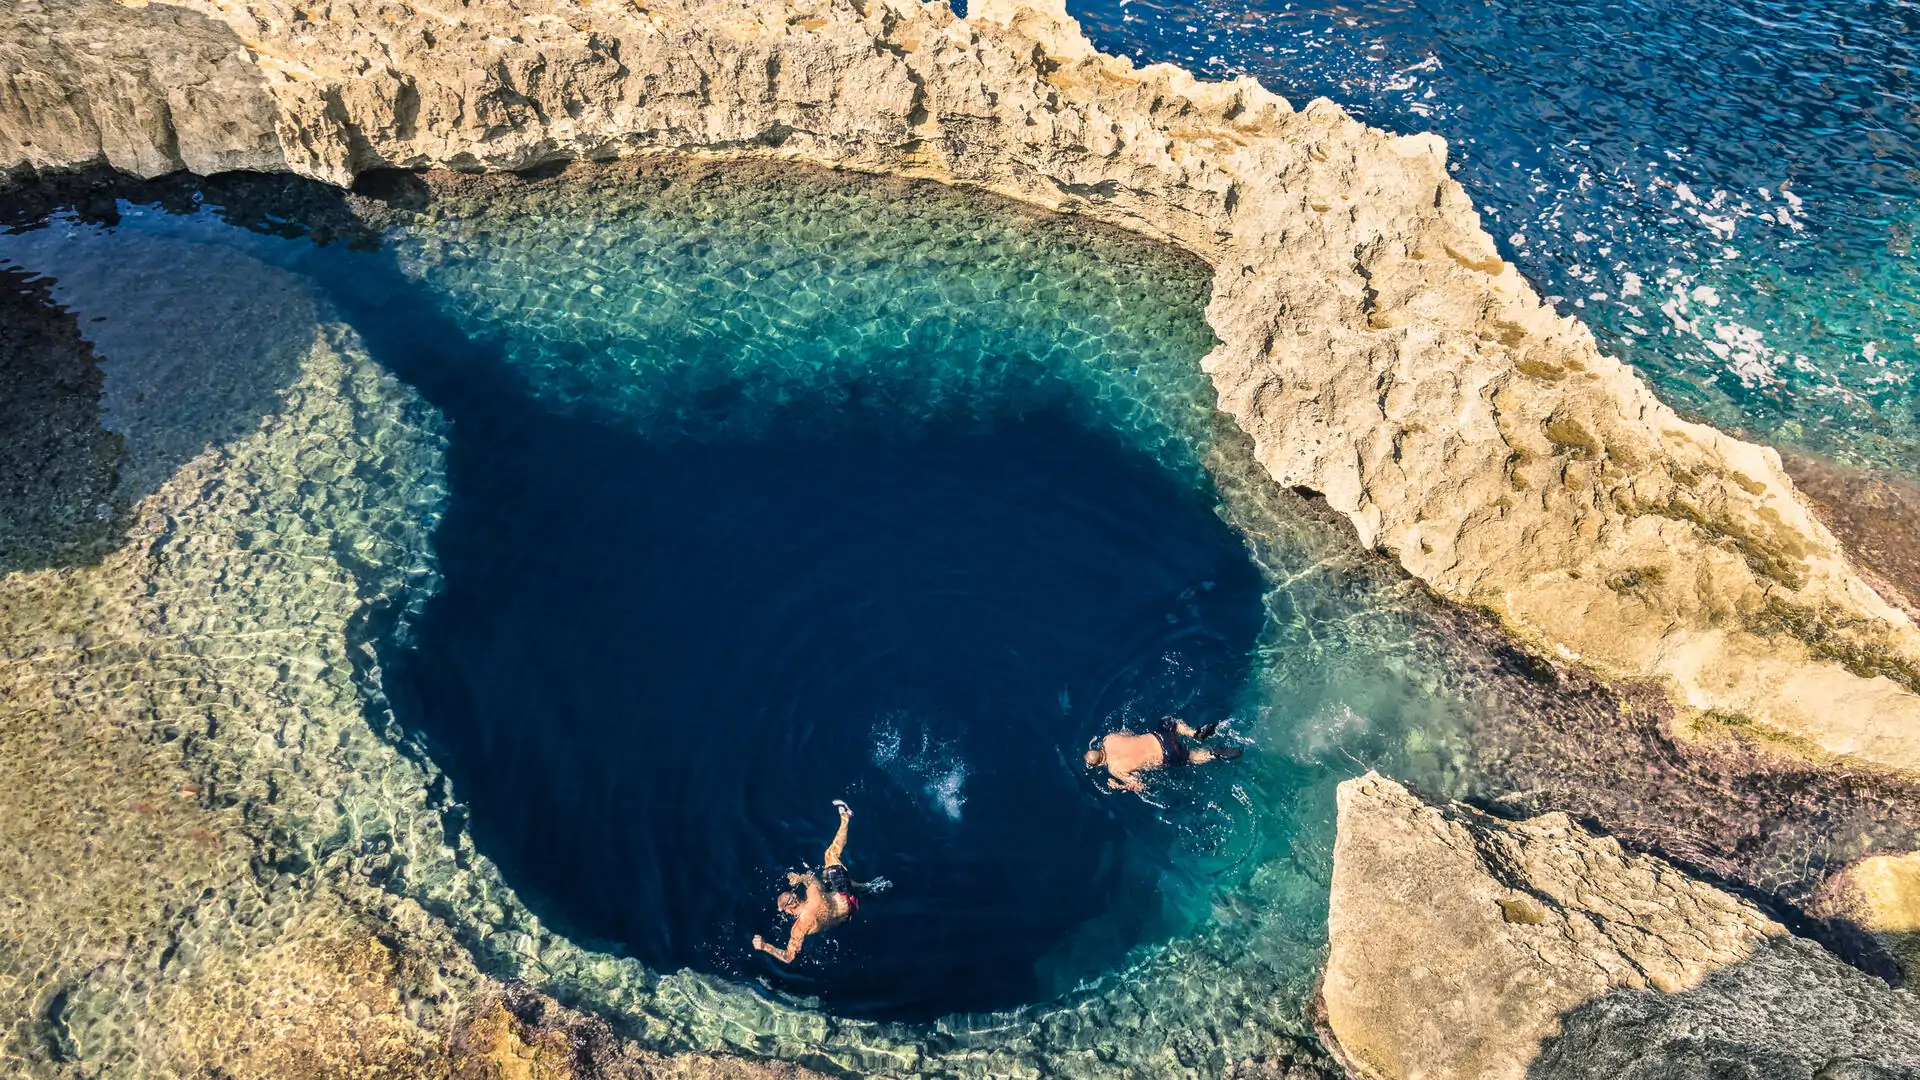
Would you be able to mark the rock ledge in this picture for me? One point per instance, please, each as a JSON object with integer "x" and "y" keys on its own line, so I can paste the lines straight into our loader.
{"x": 1467, "y": 947}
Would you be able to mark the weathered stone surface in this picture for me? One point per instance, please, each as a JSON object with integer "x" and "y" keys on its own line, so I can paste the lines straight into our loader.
{"x": 1372, "y": 341}
{"x": 1463, "y": 946}
{"x": 145, "y": 89}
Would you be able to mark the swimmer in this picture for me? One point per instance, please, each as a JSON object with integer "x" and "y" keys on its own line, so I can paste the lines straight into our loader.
{"x": 830, "y": 898}
{"x": 1126, "y": 755}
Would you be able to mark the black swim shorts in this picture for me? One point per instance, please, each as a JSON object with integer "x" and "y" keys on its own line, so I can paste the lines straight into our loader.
{"x": 1172, "y": 750}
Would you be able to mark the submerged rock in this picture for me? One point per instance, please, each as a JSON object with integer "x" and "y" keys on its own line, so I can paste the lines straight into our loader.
{"x": 1466, "y": 946}
{"x": 1879, "y": 896}
{"x": 1373, "y": 343}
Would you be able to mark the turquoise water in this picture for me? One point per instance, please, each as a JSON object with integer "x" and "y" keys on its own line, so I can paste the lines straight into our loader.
{"x": 1727, "y": 193}
{"x": 715, "y": 311}
{"x": 850, "y": 345}
{"x": 892, "y": 493}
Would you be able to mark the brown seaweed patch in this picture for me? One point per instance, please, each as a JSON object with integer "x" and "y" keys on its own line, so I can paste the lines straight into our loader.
{"x": 1568, "y": 434}
{"x": 1508, "y": 332}
{"x": 1523, "y": 911}
{"x": 1776, "y": 557}
{"x": 1492, "y": 264}
{"x": 1829, "y": 639}
{"x": 1535, "y": 369}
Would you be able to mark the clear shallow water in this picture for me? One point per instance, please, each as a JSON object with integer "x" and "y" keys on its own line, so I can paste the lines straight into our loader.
{"x": 1726, "y": 193}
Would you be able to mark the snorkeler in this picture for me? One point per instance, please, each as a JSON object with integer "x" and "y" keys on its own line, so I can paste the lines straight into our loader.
{"x": 1126, "y": 754}
{"x": 831, "y": 898}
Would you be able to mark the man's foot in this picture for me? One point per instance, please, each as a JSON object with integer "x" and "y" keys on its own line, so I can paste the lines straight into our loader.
{"x": 1228, "y": 753}
{"x": 845, "y": 810}
{"x": 1206, "y": 732}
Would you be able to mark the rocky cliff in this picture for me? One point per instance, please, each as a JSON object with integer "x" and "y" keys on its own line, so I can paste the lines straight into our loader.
{"x": 1467, "y": 947}
{"x": 1372, "y": 341}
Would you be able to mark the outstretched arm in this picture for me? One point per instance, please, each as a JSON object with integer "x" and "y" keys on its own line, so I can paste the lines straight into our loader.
{"x": 787, "y": 954}
{"x": 1126, "y": 782}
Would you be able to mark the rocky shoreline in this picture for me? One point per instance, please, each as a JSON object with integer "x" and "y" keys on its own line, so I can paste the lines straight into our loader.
{"x": 1373, "y": 343}
{"x": 1374, "y": 348}
{"x": 1538, "y": 949}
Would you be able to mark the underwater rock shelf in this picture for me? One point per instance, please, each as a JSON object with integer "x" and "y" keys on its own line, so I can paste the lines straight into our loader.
{"x": 235, "y": 846}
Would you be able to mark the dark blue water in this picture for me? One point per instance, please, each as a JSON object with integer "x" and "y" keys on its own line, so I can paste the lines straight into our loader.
{"x": 766, "y": 490}
{"x": 850, "y": 491}
{"x": 660, "y": 649}
{"x": 654, "y": 663}
{"x": 1725, "y": 191}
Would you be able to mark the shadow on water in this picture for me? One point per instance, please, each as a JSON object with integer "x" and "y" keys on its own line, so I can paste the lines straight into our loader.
{"x": 57, "y": 464}
{"x": 66, "y": 467}
{"x": 101, "y": 412}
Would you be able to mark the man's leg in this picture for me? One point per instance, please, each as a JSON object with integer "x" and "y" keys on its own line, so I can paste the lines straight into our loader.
{"x": 839, "y": 844}
{"x": 1200, "y": 735}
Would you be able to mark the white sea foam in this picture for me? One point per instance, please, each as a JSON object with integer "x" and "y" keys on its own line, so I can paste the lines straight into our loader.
{"x": 906, "y": 750}
{"x": 948, "y": 790}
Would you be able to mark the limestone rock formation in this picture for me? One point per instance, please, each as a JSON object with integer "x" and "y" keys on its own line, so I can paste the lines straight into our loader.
{"x": 145, "y": 89}
{"x": 1467, "y": 947}
{"x": 1373, "y": 343}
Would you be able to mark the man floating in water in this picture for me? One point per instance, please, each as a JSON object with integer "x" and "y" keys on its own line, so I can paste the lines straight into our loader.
{"x": 1126, "y": 754}
{"x": 831, "y": 898}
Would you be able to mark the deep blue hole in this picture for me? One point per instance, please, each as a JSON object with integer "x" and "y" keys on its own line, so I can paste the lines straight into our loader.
{"x": 655, "y": 662}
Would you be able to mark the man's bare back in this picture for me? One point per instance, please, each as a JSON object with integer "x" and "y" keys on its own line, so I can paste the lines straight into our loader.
{"x": 1126, "y": 754}
{"x": 826, "y": 904}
